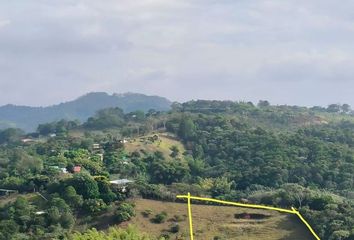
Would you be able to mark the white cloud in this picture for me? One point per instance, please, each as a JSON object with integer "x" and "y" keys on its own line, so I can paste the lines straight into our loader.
{"x": 4, "y": 23}
{"x": 182, "y": 49}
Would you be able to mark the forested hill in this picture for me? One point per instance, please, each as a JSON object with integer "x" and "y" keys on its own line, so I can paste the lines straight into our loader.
{"x": 28, "y": 118}
{"x": 281, "y": 156}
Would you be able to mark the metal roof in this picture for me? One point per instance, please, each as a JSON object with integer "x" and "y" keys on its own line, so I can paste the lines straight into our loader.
{"x": 121, "y": 181}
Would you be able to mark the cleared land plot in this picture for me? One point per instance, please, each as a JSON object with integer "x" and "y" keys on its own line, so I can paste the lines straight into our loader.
{"x": 219, "y": 222}
{"x": 162, "y": 144}
{"x": 32, "y": 197}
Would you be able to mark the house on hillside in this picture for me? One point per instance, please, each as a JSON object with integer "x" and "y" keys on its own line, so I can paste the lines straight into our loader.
{"x": 7, "y": 192}
{"x": 77, "y": 169}
{"x": 115, "y": 144}
{"x": 123, "y": 141}
{"x": 27, "y": 140}
{"x": 40, "y": 212}
{"x": 62, "y": 170}
{"x": 122, "y": 184}
{"x": 96, "y": 146}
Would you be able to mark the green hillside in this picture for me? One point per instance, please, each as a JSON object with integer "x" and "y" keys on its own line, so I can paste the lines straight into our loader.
{"x": 281, "y": 156}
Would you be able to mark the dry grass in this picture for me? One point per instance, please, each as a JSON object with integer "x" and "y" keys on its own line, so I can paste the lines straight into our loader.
{"x": 8, "y": 199}
{"x": 163, "y": 144}
{"x": 212, "y": 221}
{"x": 31, "y": 197}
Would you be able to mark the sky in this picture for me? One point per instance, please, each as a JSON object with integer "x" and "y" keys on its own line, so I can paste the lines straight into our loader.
{"x": 288, "y": 52}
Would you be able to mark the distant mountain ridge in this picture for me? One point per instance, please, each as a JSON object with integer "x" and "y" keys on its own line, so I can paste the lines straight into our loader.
{"x": 28, "y": 118}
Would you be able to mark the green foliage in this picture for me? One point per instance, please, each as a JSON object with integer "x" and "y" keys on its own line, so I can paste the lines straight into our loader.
{"x": 7, "y": 229}
{"x": 75, "y": 200}
{"x": 113, "y": 233}
{"x": 285, "y": 156}
{"x": 106, "y": 194}
{"x": 167, "y": 172}
{"x": 175, "y": 228}
{"x": 85, "y": 185}
{"x": 186, "y": 128}
{"x": 263, "y": 103}
{"x": 146, "y": 213}
{"x": 60, "y": 213}
{"x": 17, "y": 183}
{"x": 175, "y": 151}
{"x": 106, "y": 118}
{"x": 159, "y": 218}
{"x": 94, "y": 206}
{"x": 10, "y": 135}
{"x": 124, "y": 212}
{"x": 220, "y": 186}
{"x": 22, "y": 163}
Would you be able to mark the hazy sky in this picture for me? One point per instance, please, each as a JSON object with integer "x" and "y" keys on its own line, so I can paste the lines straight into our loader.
{"x": 286, "y": 51}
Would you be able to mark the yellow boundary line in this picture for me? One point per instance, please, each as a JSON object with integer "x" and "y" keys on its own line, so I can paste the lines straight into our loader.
{"x": 292, "y": 211}
{"x": 190, "y": 216}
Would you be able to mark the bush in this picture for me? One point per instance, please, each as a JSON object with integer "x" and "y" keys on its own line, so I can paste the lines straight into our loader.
{"x": 160, "y": 218}
{"x": 95, "y": 205}
{"x": 124, "y": 212}
{"x": 217, "y": 238}
{"x": 165, "y": 236}
{"x": 175, "y": 228}
{"x": 146, "y": 213}
{"x": 178, "y": 218}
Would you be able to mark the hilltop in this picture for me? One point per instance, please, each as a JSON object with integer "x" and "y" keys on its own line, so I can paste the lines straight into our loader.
{"x": 28, "y": 118}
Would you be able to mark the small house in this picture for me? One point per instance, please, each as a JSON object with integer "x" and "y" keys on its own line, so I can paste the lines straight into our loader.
{"x": 121, "y": 183}
{"x": 27, "y": 140}
{"x": 40, "y": 212}
{"x": 62, "y": 170}
{"x": 96, "y": 146}
{"x": 7, "y": 192}
{"x": 123, "y": 141}
{"x": 77, "y": 169}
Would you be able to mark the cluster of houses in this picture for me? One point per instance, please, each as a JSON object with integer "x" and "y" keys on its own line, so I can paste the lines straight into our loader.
{"x": 29, "y": 139}
{"x": 75, "y": 169}
{"x": 97, "y": 149}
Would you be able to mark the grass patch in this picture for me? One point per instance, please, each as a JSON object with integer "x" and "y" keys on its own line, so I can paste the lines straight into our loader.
{"x": 217, "y": 222}
{"x": 163, "y": 144}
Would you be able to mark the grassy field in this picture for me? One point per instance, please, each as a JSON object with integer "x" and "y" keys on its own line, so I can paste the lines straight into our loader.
{"x": 12, "y": 197}
{"x": 8, "y": 199}
{"x": 217, "y": 222}
{"x": 209, "y": 222}
{"x": 162, "y": 144}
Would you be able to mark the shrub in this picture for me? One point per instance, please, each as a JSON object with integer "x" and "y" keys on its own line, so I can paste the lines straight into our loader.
{"x": 165, "y": 236}
{"x": 178, "y": 218}
{"x": 95, "y": 205}
{"x": 146, "y": 213}
{"x": 160, "y": 218}
{"x": 175, "y": 228}
{"x": 124, "y": 212}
